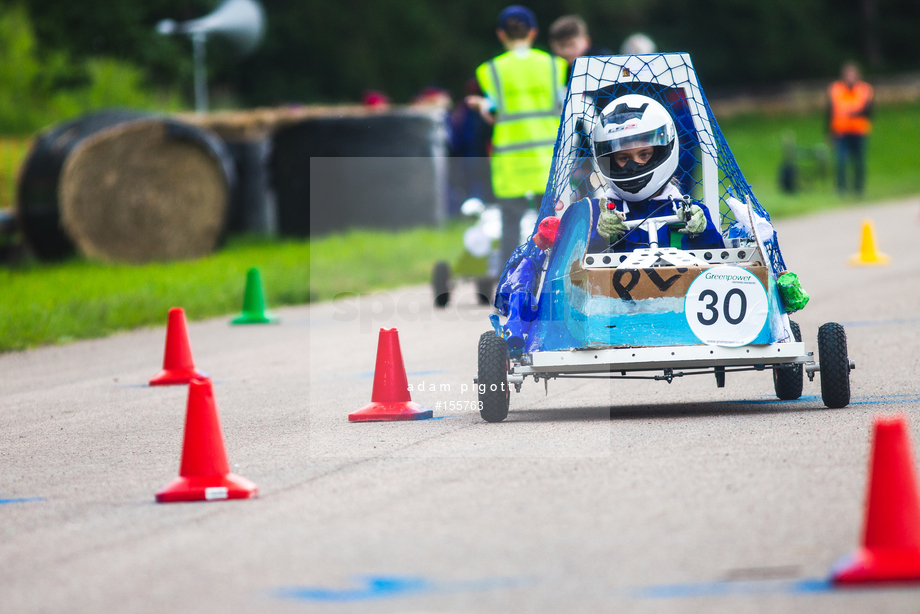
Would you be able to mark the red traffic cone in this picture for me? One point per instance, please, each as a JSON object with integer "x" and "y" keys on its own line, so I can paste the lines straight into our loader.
{"x": 204, "y": 474}
{"x": 891, "y": 537}
{"x": 390, "y": 399}
{"x": 178, "y": 367}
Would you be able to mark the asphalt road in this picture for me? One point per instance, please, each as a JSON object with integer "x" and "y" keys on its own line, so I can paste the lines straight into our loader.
{"x": 592, "y": 497}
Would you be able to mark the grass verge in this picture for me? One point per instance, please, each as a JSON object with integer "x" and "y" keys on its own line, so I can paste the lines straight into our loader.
{"x": 48, "y": 303}
{"x": 363, "y": 260}
{"x": 58, "y": 303}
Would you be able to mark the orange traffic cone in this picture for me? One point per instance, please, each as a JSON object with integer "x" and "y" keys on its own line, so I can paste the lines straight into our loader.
{"x": 178, "y": 366}
{"x": 868, "y": 254}
{"x": 891, "y": 536}
{"x": 390, "y": 399}
{"x": 204, "y": 474}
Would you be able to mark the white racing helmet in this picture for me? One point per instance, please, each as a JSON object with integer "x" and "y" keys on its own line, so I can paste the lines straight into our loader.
{"x": 629, "y": 122}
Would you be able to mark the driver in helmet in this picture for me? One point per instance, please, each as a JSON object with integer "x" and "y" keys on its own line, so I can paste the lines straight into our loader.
{"x": 636, "y": 151}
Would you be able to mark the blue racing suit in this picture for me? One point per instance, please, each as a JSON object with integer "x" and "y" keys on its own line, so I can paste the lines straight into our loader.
{"x": 658, "y": 206}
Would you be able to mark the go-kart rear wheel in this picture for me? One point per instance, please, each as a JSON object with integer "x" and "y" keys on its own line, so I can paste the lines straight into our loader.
{"x": 835, "y": 365}
{"x": 494, "y": 392}
{"x": 484, "y": 290}
{"x": 440, "y": 283}
{"x": 788, "y": 381}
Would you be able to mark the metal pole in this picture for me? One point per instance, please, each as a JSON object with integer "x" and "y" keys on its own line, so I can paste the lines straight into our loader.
{"x": 201, "y": 79}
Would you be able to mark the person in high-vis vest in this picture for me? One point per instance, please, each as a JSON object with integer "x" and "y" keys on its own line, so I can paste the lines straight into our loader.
{"x": 523, "y": 90}
{"x": 849, "y": 112}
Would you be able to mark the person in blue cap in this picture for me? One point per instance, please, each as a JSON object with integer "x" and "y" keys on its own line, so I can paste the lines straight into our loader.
{"x": 523, "y": 90}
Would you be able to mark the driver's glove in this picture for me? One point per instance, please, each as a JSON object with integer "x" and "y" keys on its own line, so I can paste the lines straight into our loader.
{"x": 694, "y": 218}
{"x": 609, "y": 224}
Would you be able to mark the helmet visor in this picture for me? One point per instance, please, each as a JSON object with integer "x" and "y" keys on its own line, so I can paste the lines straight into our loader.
{"x": 654, "y": 138}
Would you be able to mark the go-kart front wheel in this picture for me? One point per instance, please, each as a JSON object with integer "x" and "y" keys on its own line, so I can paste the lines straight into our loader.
{"x": 788, "y": 381}
{"x": 494, "y": 392}
{"x": 835, "y": 365}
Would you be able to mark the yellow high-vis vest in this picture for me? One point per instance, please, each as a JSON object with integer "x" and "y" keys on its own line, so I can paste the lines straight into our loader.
{"x": 525, "y": 87}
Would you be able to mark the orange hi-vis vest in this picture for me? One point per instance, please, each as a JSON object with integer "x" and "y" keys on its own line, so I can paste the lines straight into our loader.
{"x": 846, "y": 105}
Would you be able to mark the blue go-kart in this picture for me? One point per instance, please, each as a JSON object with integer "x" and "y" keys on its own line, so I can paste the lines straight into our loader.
{"x": 659, "y": 311}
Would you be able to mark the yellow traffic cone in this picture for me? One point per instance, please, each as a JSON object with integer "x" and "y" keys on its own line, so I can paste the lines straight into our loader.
{"x": 868, "y": 254}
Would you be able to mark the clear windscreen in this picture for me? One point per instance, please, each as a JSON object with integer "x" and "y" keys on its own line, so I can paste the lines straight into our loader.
{"x": 653, "y": 138}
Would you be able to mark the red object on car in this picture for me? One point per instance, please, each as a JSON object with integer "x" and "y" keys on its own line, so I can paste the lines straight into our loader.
{"x": 546, "y": 232}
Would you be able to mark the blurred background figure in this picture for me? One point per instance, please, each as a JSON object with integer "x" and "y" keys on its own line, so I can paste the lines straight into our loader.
{"x": 638, "y": 44}
{"x": 569, "y": 39}
{"x": 523, "y": 99}
{"x": 432, "y": 97}
{"x": 376, "y": 100}
{"x": 849, "y": 112}
{"x": 470, "y": 138}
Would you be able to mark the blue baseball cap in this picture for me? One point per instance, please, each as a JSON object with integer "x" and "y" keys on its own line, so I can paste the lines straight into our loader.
{"x": 518, "y": 12}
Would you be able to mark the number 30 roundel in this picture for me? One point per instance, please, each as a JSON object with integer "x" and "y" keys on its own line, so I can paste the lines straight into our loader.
{"x": 726, "y": 305}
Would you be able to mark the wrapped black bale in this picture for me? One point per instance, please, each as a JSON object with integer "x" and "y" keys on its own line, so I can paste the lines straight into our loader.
{"x": 152, "y": 189}
{"x": 252, "y": 207}
{"x": 381, "y": 170}
{"x": 37, "y": 206}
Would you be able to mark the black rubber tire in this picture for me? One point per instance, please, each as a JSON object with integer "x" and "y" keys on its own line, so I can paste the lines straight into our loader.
{"x": 440, "y": 283}
{"x": 835, "y": 365}
{"x": 484, "y": 290}
{"x": 789, "y": 381}
{"x": 494, "y": 391}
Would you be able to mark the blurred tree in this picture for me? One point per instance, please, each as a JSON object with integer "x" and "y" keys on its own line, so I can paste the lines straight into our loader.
{"x": 40, "y": 88}
{"x": 332, "y": 50}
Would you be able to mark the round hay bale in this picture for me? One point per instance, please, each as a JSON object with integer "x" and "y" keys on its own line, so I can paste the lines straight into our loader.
{"x": 37, "y": 208}
{"x": 152, "y": 189}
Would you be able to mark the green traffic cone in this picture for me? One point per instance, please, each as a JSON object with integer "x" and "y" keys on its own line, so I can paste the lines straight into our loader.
{"x": 254, "y": 302}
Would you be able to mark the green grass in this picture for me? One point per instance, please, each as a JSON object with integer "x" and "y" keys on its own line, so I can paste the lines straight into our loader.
{"x": 13, "y": 150}
{"x": 363, "y": 260}
{"x": 893, "y": 159}
{"x": 53, "y": 303}
{"x": 57, "y": 303}
{"x": 48, "y": 303}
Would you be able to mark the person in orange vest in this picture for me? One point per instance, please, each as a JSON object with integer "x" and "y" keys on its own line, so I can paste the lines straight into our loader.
{"x": 849, "y": 110}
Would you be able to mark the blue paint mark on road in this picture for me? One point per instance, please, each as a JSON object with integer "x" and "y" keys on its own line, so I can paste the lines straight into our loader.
{"x": 892, "y": 396}
{"x": 774, "y": 400}
{"x": 375, "y": 587}
{"x": 737, "y": 587}
{"x": 215, "y": 382}
{"x": 894, "y": 322}
{"x": 372, "y": 588}
{"x": 887, "y": 399}
{"x": 21, "y": 500}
